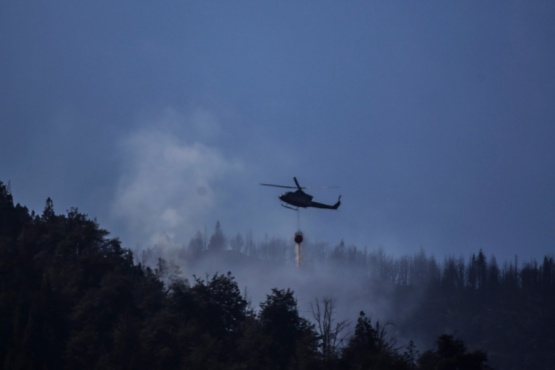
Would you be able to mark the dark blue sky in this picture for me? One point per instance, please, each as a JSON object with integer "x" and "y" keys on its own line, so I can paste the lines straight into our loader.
{"x": 435, "y": 119}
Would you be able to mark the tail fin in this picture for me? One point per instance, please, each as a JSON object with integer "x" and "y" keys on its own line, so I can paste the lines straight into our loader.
{"x": 336, "y": 205}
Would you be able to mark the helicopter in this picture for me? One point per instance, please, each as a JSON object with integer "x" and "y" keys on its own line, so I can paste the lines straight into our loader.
{"x": 298, "y": 198}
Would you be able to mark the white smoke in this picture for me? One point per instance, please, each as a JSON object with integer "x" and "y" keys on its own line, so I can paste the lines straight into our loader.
{"x": 167, "y": 183}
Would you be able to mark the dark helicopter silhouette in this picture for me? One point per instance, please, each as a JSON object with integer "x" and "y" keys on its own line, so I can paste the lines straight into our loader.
{"x": 299, "y": 198}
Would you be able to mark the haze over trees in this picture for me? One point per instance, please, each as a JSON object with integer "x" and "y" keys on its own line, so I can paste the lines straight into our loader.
{"x": 71, "y": 297}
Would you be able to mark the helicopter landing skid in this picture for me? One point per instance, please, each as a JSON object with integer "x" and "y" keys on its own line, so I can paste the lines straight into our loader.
{"x": 289, "y": 207}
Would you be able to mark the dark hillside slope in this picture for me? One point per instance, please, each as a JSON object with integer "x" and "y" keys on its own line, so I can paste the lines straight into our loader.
{"x": 72, "y": 298}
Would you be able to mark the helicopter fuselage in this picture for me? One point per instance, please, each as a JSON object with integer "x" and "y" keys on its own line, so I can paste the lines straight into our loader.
{"x": 297, "y": 198}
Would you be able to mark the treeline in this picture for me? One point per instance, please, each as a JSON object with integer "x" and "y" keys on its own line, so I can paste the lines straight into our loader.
{"x": 70, "y": 297}
{"x": 477, "y": 272}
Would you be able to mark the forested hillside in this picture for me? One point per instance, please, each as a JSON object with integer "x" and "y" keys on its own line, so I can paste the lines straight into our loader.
{"x": 506, "y": 308}
{"x": 71, "y": 297}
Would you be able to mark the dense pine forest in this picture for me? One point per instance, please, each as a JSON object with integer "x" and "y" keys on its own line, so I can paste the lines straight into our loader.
{"x": 72, "y": 297}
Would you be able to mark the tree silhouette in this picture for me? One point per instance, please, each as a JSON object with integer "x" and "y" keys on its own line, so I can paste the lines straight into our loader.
{"x": 369, "y": 348}
{"x": 450, "y": 354}
{"x": 293, "y": 340}
{"x": 217, "y": 241}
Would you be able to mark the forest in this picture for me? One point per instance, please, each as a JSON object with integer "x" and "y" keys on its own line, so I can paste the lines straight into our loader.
{"x": 73, "y": 297}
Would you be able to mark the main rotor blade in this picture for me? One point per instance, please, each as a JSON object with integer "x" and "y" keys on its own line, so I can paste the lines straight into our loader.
{"x": 279, "y": 186}
{"x": 297, "y": 183}
{"x": 313, "y": 187}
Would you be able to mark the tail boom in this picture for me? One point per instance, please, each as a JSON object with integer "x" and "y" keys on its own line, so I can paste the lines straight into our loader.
{"x": 326, "y": 206}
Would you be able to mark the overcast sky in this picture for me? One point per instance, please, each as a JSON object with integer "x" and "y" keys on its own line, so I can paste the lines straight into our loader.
{"x": 435, "y": 118}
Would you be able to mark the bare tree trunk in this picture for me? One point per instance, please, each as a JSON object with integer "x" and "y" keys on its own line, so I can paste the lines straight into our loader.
{"x": 330, "y": 332}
